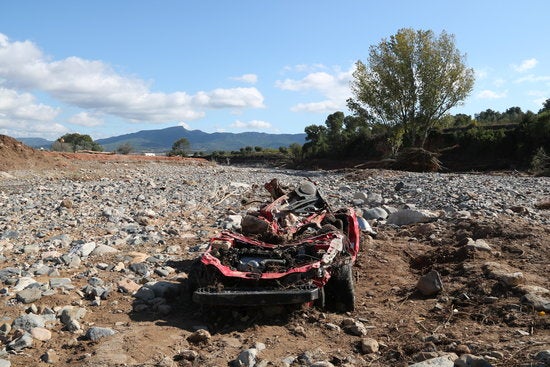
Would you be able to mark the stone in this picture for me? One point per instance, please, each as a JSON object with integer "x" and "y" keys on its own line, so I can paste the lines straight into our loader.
{"x": 50, "y": 357}
{"x": 538, "y": 302}
{"x": 369, "y": 346}
{"x": 505, "y": 274}
{"x": 40, "y": 333}
{"x": 29, "y": 295}
{"x": 24, "y": 341}
{"x": 247, "y": 358}
{"x": 27, "y": 322}
{"x": 430, "y": 283}
{"x": 96, "y": 333}
{"x": 127, "y": 285}
{"x": 469, "y": 360}
{"x": 447, "y": 360}
{"x": 4, "y": 363}
{"x": 103, "y": 249}
{"x": 479, "y": 245}
{"x": 410, "y": 216}
{"x": 199, "y": 337}
{"x": 375, "y": 213}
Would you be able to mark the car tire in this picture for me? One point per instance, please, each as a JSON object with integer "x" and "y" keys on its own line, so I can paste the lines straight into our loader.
{"x": 340, "y": 289}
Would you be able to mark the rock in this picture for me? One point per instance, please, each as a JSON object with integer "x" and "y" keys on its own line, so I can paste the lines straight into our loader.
{"x": 96, "y": 333}
{"x": 447, "y": 360}
{"x": 200, "y": 336}
{"x": 430, "y": 283}
{"x": 127, "y": 285}
{"x": 375, "y": 213}
{"x": 356, "y": 328}
{"x": 103, "y": 249}
{"x": 410, "y": 216}
{"x": 40, "y": 333}
{"x": 29, "y": 295}
{"x": 27, "y": 322}
{"x": 71, "y": 313}
{"x": 479, "y": 245}
{"x": 4, "y": 363}
{"x": 64, "y": 283}
{"x": 504, "y": 274}
{"x": 369, "y": 345}
{"x": 543, "y": 356}
{"x": 187, "y": 355}
{"x": 24, "y": 341}
{"x": 50, "y": 357}
{"x": 469, "y": 360}
{"x": 247, "y": 358}
{"x": 23, "y": 283}
{"x": 322, "y": 364}
{"x": 365, "y": 226}
{"x": 538, "y": 302}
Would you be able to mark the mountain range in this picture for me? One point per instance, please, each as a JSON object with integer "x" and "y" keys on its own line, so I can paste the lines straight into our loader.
{"x": 161, "y": 140}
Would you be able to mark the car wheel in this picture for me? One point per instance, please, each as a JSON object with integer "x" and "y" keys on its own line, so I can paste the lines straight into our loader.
{"x": 340, "y": 290}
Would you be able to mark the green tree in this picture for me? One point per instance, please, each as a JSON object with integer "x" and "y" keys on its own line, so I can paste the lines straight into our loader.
{"x": 180, "y": 147}
{"x": 411, "y": 80}
{"x": 545, "y": 106}
{"x": 77, "y": 142}
{"x": 125, "y": 148}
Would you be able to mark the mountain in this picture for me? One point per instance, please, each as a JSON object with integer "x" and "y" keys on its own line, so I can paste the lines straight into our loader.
{"x": 161, "y": 140}
{"x": 36, "y": 142}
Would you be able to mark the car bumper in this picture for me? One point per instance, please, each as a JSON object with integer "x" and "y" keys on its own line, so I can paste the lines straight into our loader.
{"x": 256, "y": 297}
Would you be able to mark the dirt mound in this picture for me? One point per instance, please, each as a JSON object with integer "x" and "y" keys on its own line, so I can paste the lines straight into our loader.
{"x": 16, "y": 155}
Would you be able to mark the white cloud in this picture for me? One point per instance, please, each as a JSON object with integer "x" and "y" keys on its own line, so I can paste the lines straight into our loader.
{"x": 334, "y": 87}
{"x": 92, "y": 84}
{"x": 525, "y": 65}
{"x": 85, "y": 119}
{"x": 247, "y": 78}
{"x": 532, "y": 79}
{"x": 185, "y": 125}
{"x": 254, "y": 124}
{"x": 481, "y": 73}
{"x": 489, "y": 94}
{"x": 22, "y": 116}
{"x": 499, "y": 82}
{"x": 316, "y": 107}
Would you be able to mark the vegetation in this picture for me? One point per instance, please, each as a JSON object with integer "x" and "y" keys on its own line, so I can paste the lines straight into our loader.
{"x": 410, "y": 81}
{"x": 180, "y": 148}
{"x": 125, "y": 148}
{"x": 75, "y": 142}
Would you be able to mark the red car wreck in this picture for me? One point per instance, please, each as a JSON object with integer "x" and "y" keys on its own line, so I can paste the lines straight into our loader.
{"x": 294, "y": 250}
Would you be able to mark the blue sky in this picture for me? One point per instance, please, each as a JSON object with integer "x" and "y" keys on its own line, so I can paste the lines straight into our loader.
{"x": 107, "y": 68}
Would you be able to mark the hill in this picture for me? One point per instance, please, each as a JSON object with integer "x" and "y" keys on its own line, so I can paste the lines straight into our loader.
{"x": 161, "y": 140}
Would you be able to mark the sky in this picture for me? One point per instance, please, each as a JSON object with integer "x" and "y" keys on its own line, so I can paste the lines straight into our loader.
{"x": 107, "y": 68}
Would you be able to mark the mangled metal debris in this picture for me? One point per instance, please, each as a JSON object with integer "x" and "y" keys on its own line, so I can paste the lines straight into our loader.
{"x": 294, "y": 249}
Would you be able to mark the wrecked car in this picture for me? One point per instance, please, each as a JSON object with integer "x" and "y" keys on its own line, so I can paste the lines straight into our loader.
{"x": 293, "y": 250}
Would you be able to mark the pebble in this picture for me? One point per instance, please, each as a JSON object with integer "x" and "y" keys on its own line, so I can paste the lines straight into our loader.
{"x": 96, "y": 333}
{"x": 59, "y": 232}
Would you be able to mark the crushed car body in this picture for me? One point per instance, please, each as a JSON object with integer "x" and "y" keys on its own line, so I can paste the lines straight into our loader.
{"x": 294, "y": 249}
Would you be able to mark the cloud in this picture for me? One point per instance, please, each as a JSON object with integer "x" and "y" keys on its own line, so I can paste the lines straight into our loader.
{"x": 316, "y": 107}
{"x": 22, "y": 116}
{"x": 184, "y": 125}
{"x": 333, "y": 86}
{"x": 246, "y": 78}
{"x": 85, "y": 119}
{"x": 532, "y": 79}
{"x": 525, "y": 65}
{"x": 489, "y": 94}
{"x": 94, "y": 85}
{"x": 254, "y": 124}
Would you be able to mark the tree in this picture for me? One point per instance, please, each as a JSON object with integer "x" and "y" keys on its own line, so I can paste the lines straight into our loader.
{"x": 77, "y": 142}
{"x": 412, "y": 80}
{"x": 125, "y": 148}
{"x": 180, "y": 147}
{"x": 545, "y": 106}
